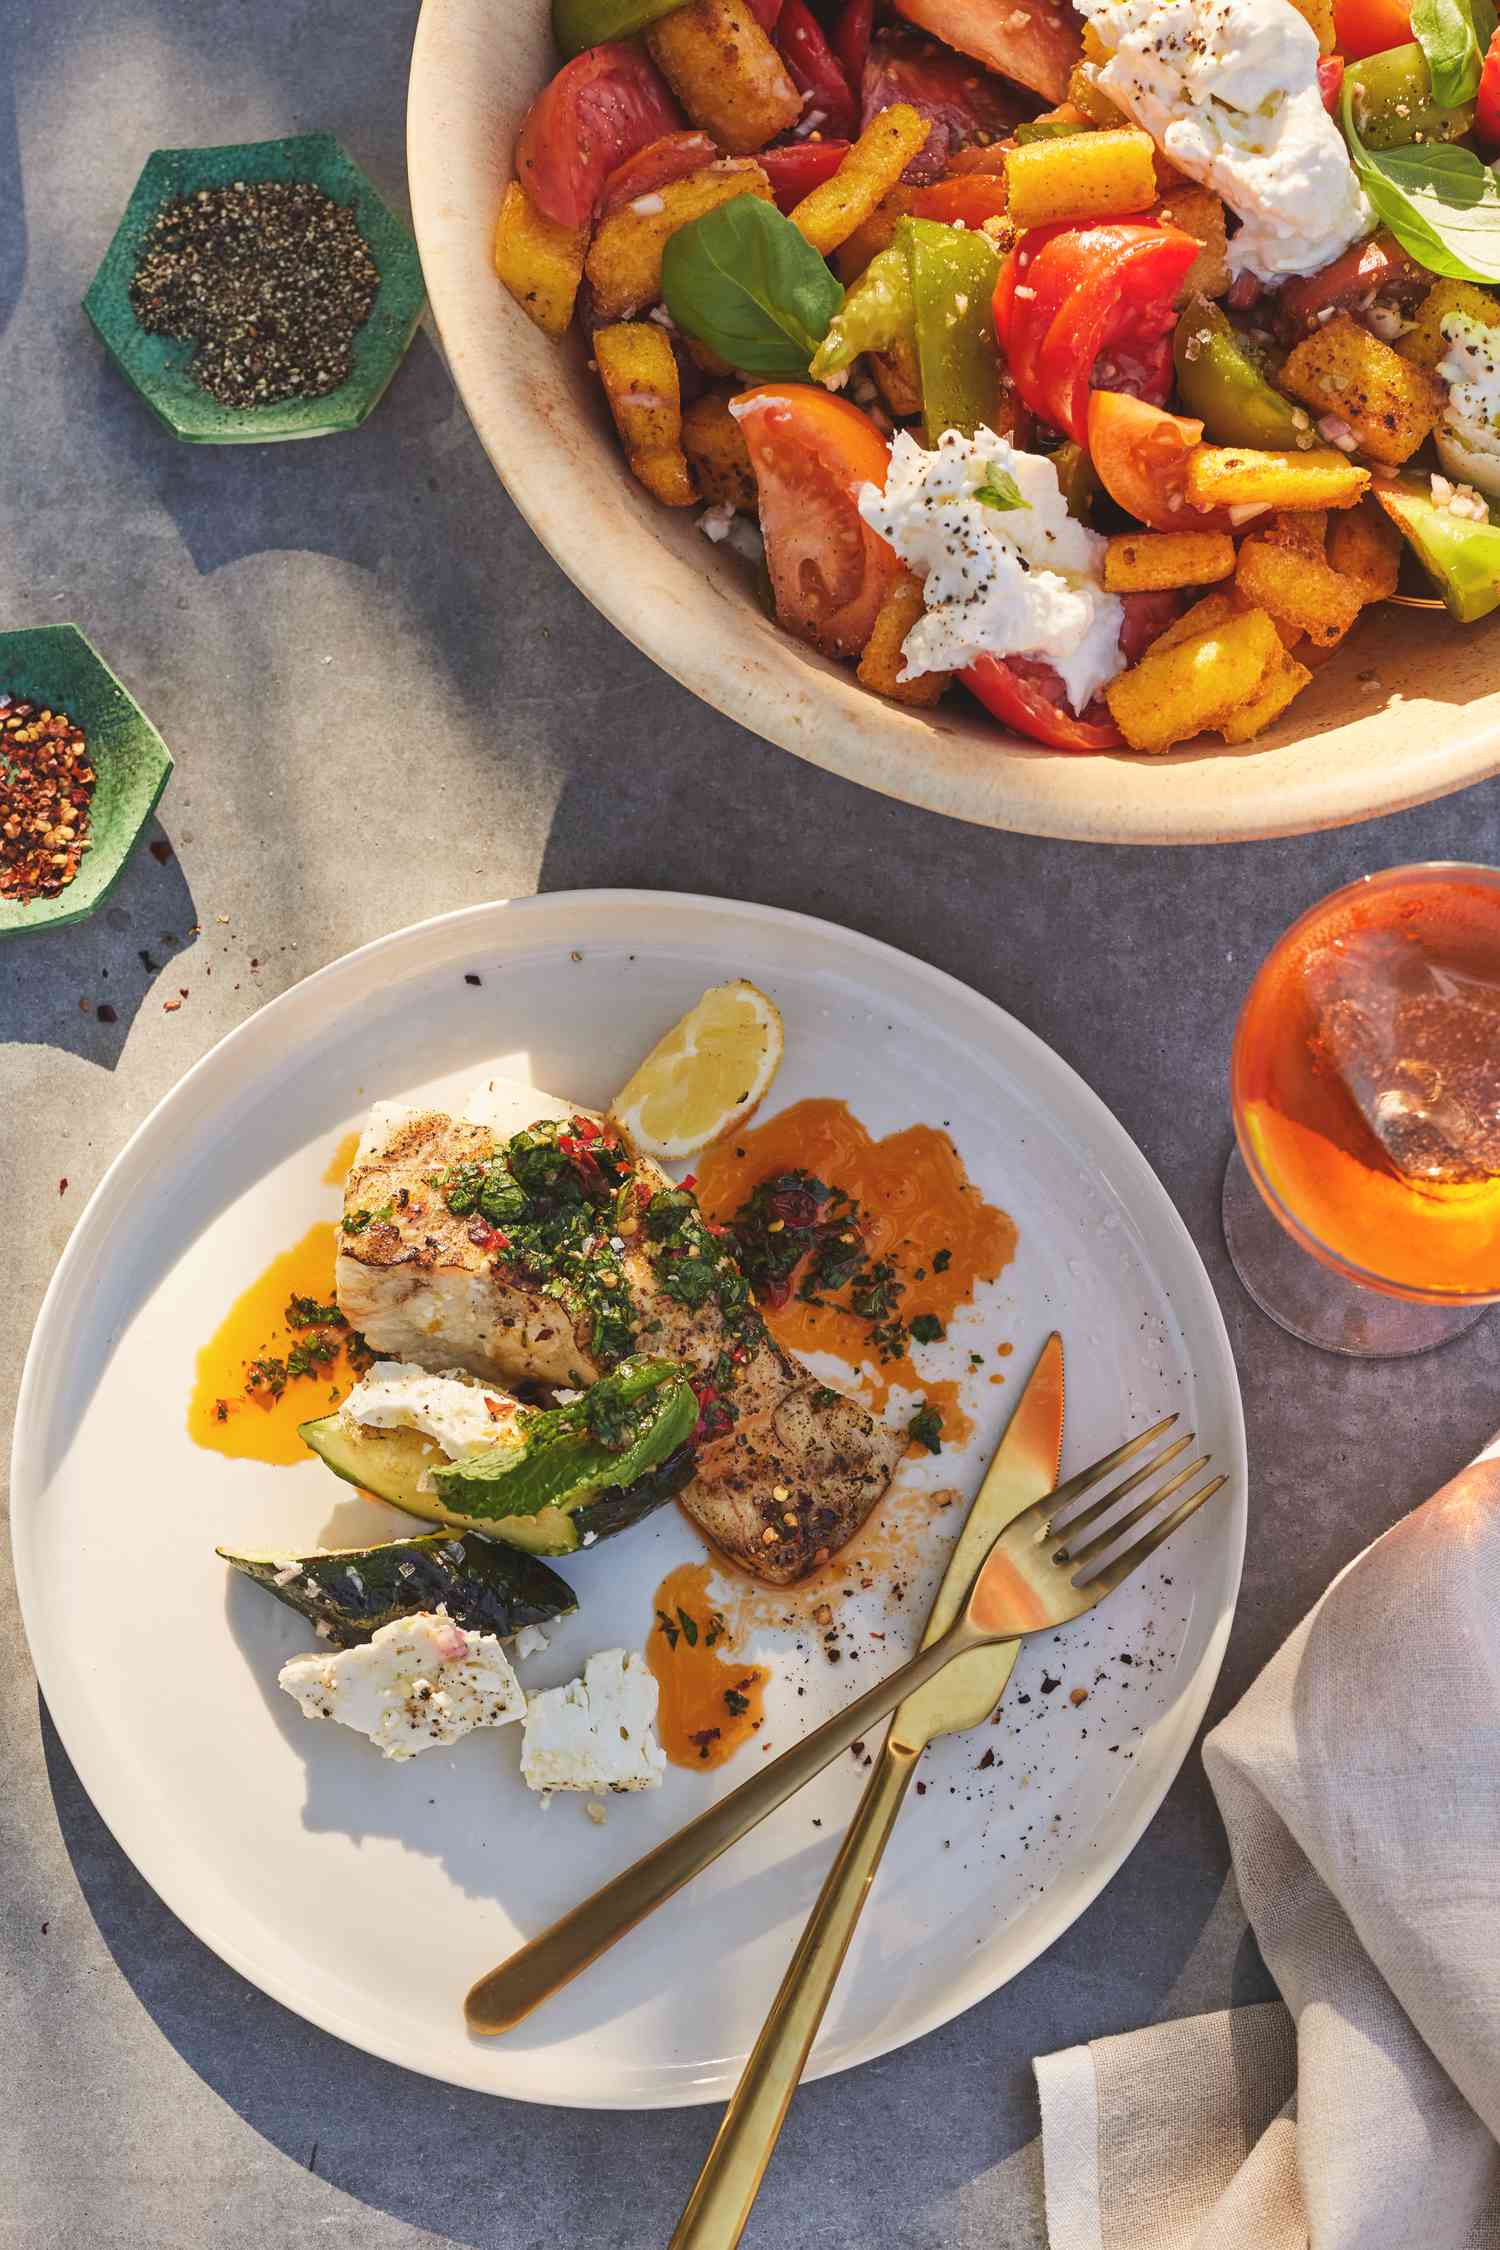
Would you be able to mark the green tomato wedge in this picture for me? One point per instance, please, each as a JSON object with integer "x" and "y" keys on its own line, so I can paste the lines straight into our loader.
{"x": 1461, "y": 558}
{"x": 577, "y": 24}
{"x": 1394, "y": 105}
{"x": 1222, "y": 386}
{"x": 877, "y": 313}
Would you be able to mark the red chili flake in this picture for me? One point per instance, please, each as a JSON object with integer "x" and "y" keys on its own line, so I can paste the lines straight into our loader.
{"x": 691, "y": 1181}
{"x": 986, "y": 1761}
{"x": 161, "y": 851}
{"x": 46, "y": 782}
{"x": 62, "y": 1187}
{"x": 170, "y": 1007}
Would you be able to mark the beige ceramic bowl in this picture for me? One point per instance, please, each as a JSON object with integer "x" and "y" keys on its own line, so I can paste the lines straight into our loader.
{"x": 1409, "y": 711}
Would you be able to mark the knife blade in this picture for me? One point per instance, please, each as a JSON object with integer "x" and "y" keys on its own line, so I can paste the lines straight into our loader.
{"x": 1024, "y": 1468}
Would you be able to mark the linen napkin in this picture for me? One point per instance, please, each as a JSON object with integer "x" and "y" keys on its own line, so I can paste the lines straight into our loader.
{"x": 1359, "y": 1781}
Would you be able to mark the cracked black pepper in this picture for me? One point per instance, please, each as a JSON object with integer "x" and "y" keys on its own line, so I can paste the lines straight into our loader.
{"x": 271, "y": 279}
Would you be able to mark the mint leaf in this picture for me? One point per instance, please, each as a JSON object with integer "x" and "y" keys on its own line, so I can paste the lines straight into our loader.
{"x": 1000, "y": 490}
{"x": 746, "y": 282}
{"x": 1439, "y": 201}
{"x": 1445, "y": 32}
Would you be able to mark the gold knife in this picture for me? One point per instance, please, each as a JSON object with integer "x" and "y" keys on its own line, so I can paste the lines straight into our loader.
{"x": 960, "y": 1696}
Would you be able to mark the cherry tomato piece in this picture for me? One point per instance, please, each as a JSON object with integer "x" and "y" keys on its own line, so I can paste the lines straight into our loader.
{"x": 672, "y": 157}
{"x": 812, "y": 454}
{"x": 850, "y": 41}
{"x": 795, "y": 168}
{"x": 600, "y": 108}
{"x": 1078, "y": 305}
{"x": 1487, "y": 101}
{"x": 1140, "y": 457}
{"x": 1030, "y": 698}
{"x": 815, "y": 70}
{"x": 1368, "y": 27}
{"x": 961, "y": 104}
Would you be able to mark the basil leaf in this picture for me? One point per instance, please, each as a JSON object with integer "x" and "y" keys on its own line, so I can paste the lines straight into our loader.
{"x": 1439, "y": 201}
{"x": 999, "y": 490}
{"x": 747, "y": 283}
{"x": 1445, "y": 32}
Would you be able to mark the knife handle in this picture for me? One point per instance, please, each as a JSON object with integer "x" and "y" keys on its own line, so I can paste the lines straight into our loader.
{"x": 500, "y": 2000}
{"x": 730, "y": 2180}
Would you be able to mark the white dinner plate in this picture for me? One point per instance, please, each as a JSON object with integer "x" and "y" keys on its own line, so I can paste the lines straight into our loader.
{"x": 366, "y": 1895}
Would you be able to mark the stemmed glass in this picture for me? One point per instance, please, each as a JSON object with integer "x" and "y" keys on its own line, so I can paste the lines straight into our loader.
{"x": 1362, "y": 1206}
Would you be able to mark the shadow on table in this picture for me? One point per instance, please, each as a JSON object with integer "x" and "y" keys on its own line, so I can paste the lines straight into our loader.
{"x": 479, "y": 2171}
{"x": 80, "y": 986}
{"x": 12, "y": 206}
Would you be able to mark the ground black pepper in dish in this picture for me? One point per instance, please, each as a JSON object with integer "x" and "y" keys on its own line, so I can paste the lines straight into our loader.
{"x": 46, "y": 781}
{"x": 270, "y": 278}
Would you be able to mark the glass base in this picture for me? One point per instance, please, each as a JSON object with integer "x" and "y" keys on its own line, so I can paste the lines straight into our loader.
{"x": 1315, "y": 1304}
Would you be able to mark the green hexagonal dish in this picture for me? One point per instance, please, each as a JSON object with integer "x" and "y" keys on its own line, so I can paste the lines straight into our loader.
{"x": 53, "y": 665}
{"x": 158, "y": 365}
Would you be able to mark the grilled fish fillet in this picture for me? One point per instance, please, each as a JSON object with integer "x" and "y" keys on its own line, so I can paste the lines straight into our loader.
{"x": 788, "y": 1481}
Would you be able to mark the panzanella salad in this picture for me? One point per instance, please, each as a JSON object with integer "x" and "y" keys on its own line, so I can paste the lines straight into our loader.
{"x": 1103, "y": 365}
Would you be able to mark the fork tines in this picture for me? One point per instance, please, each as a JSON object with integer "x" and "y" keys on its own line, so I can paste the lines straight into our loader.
{"x": 1102, "y": 1538}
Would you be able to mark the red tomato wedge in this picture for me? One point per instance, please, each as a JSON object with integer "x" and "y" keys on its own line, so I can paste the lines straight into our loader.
{"x": 1035, "y": 43}
{"x": 850, "y": 40}
{"x": 1368, "y": 27}
{"x": 600, "y": 108}
{"x": 1487, "y": 102}
{"x": 673, "y": 157}
{"x": 1140, "y": 457}
{"x": 815, "y": 71}
{"x": 765, "y": 12}
{"x": 972, "y": 197}
{"x": 797, "y": 167}
{"x": 1024, "y": 693}
{"x": 1081, "y": 304}
{"x": 1331, "y": 81}
{"x": 812, "y": 453}
{"x": 960, "y": 103}
{"x": 1370, "y": 269}
{"x": 1029, "y": 697}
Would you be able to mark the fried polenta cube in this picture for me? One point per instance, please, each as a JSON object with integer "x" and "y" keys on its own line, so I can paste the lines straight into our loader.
{"x": 1306, "y": 529}
{"x": 1210, "y": 612}
{"x": 867, "y": 175}
{"x": 1238, "y": 476}
{"x": 1199, "y": 212}
{"x": 880, "y": 665}
{"x": 1319, "y": 13}
{"x": 1390, "y": 404}
{"x": 639, "y": 375}
{"x": 1282, "y": 679}
{"x": 726, "y": 73}
{"x": 717, "y": 453}
{"x": 1081, "y": 176}
{"x": 1425, "y": 344}
{"x": 624, "y": 259}
{"x": 540, "y": 263}
{"x": 1364, "y": 546}
{"x": 1175, "y": 692}
{"x": 1146, "y": 562}
{"x": 1300, "y": 589}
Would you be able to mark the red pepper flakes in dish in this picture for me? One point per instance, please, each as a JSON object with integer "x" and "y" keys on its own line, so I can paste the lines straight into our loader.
{"x": 46, "y": 782}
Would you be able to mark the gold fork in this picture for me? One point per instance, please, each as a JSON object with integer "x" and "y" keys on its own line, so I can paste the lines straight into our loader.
{"x": 1050, "y": 1564}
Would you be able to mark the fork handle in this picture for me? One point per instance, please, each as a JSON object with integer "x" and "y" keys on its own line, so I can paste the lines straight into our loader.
{"x": 500, "y": 2000}
{"x": 730, "y": 2180}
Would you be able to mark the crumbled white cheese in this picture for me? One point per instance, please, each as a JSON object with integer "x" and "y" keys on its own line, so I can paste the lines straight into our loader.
{"x": 1468, "y": 434}
{"x": 715, "y": 521}
{"x": 419, "y": 1682}
{"x": 1459, "y": 500}
{"x": 598, "y": 1732}
{"x": 458, "y": 1413}
{"x": 530, "y": 1641}
{"x": 1228, "y": 89}
{"x": 997, "y": 581}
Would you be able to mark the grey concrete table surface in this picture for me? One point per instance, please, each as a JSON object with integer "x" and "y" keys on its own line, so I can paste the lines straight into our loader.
{"x": 385, "y": 700}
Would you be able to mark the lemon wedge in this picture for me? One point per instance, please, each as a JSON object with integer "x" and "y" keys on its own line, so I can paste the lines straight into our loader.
{"x": 705, "y": 1077}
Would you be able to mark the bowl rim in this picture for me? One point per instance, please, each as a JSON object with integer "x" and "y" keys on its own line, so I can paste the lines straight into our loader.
{"x": 102, "y": 866}
{"x": 696, "y": 623}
